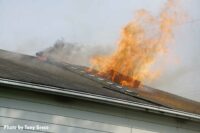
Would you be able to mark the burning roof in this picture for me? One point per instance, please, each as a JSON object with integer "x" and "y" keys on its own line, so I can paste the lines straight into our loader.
{"x": 142, "y": 41}
{"x": 72, "y": 77}
{"x": 118, "y": 75}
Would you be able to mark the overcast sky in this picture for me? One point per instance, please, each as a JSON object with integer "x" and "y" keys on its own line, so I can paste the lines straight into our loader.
{"x": 28, "y": 26}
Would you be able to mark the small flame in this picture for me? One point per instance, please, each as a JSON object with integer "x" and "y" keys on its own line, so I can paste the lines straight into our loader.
{"x": 141, "y": 41}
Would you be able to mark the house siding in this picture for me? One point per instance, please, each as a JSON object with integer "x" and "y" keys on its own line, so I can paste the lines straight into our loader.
{"x": 69, "y": 115}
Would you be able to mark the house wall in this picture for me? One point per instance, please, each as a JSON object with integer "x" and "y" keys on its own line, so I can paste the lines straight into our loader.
{"x": 69, "y": 115}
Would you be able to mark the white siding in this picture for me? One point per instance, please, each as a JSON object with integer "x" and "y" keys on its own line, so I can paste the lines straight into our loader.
{"x": 77, "y": 116}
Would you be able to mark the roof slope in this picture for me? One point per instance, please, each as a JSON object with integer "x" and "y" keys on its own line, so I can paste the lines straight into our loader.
{"x": 70, "y": 77}
{"x": 30, "y": 69}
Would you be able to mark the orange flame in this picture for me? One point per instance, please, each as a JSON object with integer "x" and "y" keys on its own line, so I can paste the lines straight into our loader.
{"x": 141, "y": 41}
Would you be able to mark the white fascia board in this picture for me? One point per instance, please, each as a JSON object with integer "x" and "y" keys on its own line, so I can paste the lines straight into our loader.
{"x": 100, "y": 98}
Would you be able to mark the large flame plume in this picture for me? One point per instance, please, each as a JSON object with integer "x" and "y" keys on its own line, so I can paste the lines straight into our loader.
{"x": 142, "y": 40}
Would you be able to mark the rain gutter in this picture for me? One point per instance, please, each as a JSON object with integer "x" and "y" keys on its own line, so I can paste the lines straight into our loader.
{"x": 99, "y": 98}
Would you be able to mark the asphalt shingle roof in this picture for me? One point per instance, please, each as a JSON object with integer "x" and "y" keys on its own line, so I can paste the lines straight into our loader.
{"x": 70, "y": 77}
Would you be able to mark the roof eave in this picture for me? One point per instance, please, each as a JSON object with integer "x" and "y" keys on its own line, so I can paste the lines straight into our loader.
{"x": 102, "y": 99}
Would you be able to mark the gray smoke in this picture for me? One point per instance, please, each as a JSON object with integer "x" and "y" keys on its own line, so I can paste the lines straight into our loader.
{"x": 74, "y": 53}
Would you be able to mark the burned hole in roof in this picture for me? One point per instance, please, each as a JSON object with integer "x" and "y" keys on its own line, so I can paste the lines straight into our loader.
{"x": 104, "y": 81}
{"x": 117, "y": 78}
